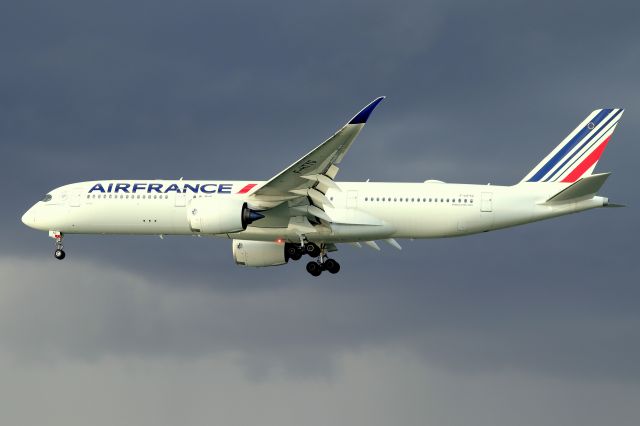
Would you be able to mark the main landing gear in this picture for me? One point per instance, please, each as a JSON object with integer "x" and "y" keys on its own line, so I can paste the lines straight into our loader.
{"x": 58, "y": 253}
{"x": 315, "y": 267}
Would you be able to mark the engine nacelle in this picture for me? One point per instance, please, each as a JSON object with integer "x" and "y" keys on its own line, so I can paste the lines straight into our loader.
{"x": 220, "y": 216}
{"x": 258, "y": 253}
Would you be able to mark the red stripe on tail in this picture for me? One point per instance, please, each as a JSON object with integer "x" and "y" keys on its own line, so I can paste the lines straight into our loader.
{"x": 587, "y": 163}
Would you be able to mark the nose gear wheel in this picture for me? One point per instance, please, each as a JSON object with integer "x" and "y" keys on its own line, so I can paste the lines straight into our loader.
{"x": 58, "y": 252}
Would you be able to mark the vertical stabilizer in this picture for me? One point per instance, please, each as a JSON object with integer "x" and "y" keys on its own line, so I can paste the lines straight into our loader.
{"x": 578, "y": 154}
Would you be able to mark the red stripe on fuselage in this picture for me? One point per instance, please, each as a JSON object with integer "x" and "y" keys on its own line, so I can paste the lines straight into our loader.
{"x": 587, "y": 162}
{"x": 247, "y": 188}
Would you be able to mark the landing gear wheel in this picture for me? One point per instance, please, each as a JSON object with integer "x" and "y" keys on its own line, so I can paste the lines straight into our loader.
{"x": 312, "y": 249}
{"x": 59, "y": 254}
{"x": 314, "y": 268}
{"x": 293, "y": 251}
{"x": 332, "y": 266}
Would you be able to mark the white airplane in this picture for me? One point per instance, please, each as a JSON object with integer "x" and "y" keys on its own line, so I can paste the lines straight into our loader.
{"x": 304, "y": 210}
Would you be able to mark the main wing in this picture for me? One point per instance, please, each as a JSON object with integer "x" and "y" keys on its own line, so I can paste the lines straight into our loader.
{"x": 312, "y": 175}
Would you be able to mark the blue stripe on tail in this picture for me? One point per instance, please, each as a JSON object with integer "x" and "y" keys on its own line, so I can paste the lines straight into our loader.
{"x": 604, "y": 129}
{"x": 569, "y": 145}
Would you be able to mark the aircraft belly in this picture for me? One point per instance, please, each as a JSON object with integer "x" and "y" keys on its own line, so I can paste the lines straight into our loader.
{"x": 334, "y": 233}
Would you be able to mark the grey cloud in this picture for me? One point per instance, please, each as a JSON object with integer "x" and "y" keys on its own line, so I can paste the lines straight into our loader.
{"x": 91, "y": 312}
{"x": 373, "y": 388}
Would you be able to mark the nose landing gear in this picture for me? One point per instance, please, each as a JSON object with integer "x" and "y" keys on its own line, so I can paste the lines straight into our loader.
{"x": 58, "y": 253}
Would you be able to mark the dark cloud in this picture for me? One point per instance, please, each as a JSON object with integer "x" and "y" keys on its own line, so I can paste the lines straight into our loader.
{"x": 476, "y": 93}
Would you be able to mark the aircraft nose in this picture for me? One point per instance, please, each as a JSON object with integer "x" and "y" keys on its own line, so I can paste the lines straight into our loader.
{"x": 28, "y": 218}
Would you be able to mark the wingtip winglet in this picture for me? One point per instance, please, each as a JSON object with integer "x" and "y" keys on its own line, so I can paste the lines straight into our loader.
{"x": 363, "y": 115}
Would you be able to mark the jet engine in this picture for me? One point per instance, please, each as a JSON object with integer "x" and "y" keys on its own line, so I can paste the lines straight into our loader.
{"x": 258, "y": 253}
{"x": 220, "y": 216}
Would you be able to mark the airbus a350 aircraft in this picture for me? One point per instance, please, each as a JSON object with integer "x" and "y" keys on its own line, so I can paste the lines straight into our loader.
{"x": 304, "y": 210}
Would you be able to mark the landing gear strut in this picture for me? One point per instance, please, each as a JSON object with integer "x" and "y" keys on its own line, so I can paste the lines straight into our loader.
{"x": 58, "y": 253}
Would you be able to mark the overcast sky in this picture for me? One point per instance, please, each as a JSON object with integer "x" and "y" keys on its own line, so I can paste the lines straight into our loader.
{"x": 537, "y": 325}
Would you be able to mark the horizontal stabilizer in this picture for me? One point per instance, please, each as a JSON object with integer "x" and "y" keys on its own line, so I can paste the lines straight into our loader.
{"x": 583, "y": 188}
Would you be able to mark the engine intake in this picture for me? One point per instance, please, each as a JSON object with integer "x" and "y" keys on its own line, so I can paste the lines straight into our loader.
{"x": 220, "y": 216}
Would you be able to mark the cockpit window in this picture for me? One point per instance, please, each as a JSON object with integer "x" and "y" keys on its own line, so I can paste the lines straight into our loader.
{"x": 47, "y": 198}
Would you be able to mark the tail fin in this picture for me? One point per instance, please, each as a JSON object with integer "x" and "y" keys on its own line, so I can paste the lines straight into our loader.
{"x": 578, "y": 154}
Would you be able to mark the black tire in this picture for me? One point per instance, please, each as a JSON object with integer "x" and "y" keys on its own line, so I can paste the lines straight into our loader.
{"x": 312, "y": 249}
{"x": 59, "y": 254}
{"x": 290, "y": 250}
{"x": 314, "y": 268}
{"x": 332, "y": 266}
{"x": 293, "y": 251}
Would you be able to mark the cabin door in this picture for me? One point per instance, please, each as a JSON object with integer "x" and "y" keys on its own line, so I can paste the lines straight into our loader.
{"x": 486, "y": 202}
